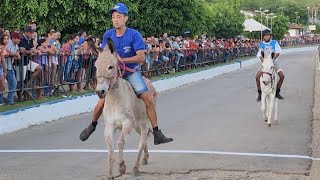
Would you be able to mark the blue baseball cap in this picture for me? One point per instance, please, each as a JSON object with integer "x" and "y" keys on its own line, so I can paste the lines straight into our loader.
{"x": 120, "y": 8}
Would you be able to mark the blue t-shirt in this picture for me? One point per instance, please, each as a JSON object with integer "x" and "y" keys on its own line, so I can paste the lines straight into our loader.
{"x": 126, "y": 45}
{"x": 73, "y": 48}
{"x": 81, "y": 40}
{"x": 269, "y": 47}
{"x": 51, "y": 41}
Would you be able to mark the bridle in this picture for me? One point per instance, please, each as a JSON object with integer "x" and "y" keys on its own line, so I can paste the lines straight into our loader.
{"x": 123, "y": 68}
{"x": 112, "y": 80}
{"x": 272, "y": 75}
{"x": 119, "y": 73}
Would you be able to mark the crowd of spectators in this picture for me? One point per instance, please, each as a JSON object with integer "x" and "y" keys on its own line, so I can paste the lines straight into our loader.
{"x": 34, "y": 66}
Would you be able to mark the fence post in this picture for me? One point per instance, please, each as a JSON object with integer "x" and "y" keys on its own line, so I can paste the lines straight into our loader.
{"x": 240, "y": 62}
{"x": 319, "y": 58}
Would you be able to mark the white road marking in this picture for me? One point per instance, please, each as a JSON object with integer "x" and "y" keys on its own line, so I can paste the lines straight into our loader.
{"x": 165, "y": 151}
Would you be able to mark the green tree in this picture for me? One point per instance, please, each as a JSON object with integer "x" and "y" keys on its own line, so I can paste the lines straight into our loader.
{"x": 210, "y": 23}
{"x": 229, "y": 20}
{"x": 317, "y": 28}
{"x": 285, "y": 7}
{"x": 173, "y": 17}
{"x": 68, "y": 16}
{"x": 252, "y": 35}
{"x": 222, "y": 19}
{"x": 280, "y": 27}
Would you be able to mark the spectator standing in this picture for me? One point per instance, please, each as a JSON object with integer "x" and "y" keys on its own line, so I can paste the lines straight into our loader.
{"x": 27, "y": 50}
{"x": 4, "y": 39}
{"x": 13, "y": 55}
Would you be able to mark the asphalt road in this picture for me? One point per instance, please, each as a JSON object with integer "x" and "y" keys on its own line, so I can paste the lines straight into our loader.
{"x": 218, "y": 114}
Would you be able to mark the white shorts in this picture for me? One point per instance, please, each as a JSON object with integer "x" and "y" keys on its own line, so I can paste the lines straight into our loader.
{"x": 276, "y": 67}
{"x": 165, "y": 59}
{"x": 30, "y": 67}
{"x": 54, "y": 60}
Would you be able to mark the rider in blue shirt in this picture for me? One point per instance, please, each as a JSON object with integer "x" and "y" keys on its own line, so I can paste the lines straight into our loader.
{"x": 130, "y": 49}
{"x": 269, "y": 46}
{"x": 126, "y": 45}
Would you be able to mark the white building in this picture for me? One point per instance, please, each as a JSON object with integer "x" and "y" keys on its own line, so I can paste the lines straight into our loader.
{"x": 295, "y": 30}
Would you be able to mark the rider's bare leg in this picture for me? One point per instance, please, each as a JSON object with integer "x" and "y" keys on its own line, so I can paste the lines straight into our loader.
{"x": 159, "y": 138}
{"x": 281, "y": 79}
{"x": 98, "y": 109}
{"x": 148, "y": 100}
{"x": 258, "y": 75}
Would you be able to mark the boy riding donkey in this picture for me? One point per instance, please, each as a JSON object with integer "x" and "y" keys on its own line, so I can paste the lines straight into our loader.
{"x": 130, "y": 50}
{"x": 269, "y": 46}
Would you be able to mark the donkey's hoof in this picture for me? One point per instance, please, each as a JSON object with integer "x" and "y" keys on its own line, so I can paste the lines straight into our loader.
{"x": 276, "y": 122}
{"x": 266, "y": 120}
{"x": 136, "y": 171}
{"x": 144, "y": 162}
{"x": 110, "y": 178}
{"x": 122, "y": 169}
{"x": 269, "y": 125}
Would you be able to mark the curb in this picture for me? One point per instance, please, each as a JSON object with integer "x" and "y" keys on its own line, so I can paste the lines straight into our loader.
{"x": 45, "y": 103}
{"x": 315, "y": 139}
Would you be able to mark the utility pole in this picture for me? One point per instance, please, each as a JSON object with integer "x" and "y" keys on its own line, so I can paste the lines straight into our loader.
{"x": 268, "y": 16}
{"x": 272, "y": 17}
{"x": 261, "y": 12}
{"x": 308, "y": 8}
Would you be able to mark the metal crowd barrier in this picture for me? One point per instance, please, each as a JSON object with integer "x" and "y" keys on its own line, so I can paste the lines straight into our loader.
{"x": 193, "y": 58}
{"x": 49, "y": 75}
{"x": 299, "y": 42}
{"x": 37, "y": 76}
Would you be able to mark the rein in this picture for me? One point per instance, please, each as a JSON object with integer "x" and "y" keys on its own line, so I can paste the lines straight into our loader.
{"x": 268, "y": 74}
{"x": 123, "y": 68}
{"x": 271, "y": 75}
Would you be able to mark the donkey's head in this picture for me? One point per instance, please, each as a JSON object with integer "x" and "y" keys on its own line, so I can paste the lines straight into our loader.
{"x": 267, "y": 68}
{"x": 107, "y": 69}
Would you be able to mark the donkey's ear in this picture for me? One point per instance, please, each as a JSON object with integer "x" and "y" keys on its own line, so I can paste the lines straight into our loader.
{"x": 110, "y": 46}
{"x": 93, "y": 47}
{"x": 262, "y": 54}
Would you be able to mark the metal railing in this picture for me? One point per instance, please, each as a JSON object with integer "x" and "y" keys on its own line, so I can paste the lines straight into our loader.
{"x": 32, "y": 77}
{"x": 193, "y": 58}
{"x": 299, "y": 42}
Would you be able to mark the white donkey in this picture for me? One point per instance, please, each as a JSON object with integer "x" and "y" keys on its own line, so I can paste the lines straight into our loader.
{"x": 268, "y": 82}
{"x": 123, "y": 110}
